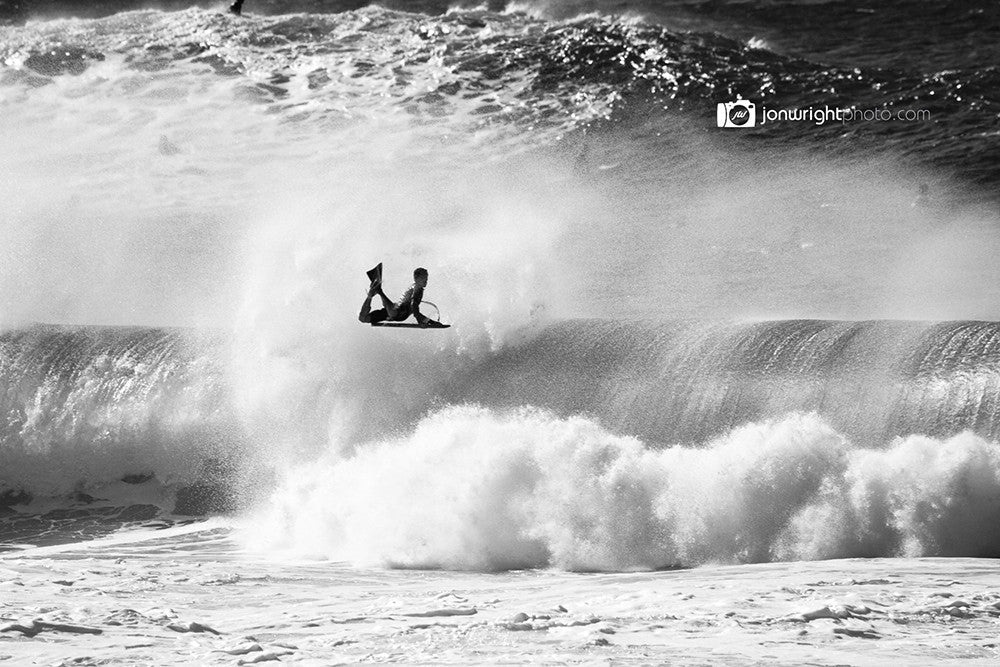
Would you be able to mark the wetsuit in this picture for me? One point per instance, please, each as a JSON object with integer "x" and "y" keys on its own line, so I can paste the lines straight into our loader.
{"x": 408, "y": 304}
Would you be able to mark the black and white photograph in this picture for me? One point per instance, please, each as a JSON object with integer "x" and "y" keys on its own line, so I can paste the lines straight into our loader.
{"x": 499, "y": 332}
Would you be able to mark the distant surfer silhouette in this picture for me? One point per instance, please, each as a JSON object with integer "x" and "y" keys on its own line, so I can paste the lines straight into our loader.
{"x": 395, "y": 311}
{"x": 236, "y": 7}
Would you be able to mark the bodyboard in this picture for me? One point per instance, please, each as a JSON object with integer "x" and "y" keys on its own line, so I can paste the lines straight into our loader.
{"x": 411, "y": 325}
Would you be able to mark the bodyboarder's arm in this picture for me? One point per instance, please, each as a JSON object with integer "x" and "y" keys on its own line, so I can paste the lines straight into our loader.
{"x": 418, "y": 294}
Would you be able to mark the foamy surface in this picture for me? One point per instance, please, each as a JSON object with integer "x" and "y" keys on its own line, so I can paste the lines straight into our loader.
{"x": 194, "y": 596}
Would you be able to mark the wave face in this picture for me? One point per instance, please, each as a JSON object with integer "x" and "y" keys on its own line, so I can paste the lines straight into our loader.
{"x": 691, "y": 382}
{"x": 84, "y": 407}
{"x": 89, "y": 405}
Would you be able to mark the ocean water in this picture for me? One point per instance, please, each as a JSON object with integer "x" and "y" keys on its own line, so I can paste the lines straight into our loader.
{"x": 673, "y": 344}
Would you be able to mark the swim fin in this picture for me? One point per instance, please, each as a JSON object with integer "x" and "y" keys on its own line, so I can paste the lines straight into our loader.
{"x": 375, "y": 274}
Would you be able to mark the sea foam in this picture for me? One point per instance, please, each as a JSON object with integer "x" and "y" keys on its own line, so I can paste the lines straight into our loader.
{"x": 472, "y": 488}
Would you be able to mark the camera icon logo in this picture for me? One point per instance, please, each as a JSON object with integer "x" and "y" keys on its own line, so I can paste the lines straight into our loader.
{"x": 741, "y": 113}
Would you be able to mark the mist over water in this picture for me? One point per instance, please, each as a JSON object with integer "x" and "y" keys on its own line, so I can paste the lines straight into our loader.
{"x": 183, "y": 168}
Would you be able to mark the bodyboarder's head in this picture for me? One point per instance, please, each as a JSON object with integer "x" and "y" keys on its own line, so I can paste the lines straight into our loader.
{"x": 420, "y": 277}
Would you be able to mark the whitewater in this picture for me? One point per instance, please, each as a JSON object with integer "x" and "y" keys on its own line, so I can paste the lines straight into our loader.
{"x": 709, "y": 396}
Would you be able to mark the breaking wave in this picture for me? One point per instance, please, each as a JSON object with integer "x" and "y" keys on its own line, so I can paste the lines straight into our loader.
{"x": 758, "y": 442}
